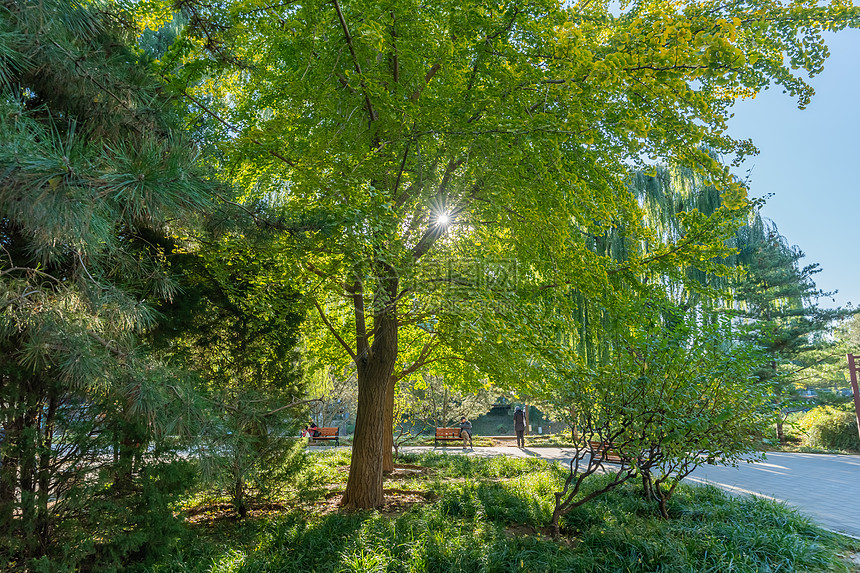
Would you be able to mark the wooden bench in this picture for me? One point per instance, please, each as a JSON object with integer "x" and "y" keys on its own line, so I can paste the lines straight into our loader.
{"x": 326, "y": 435}
{"x": 603, "y": 449}
{"x": 448, "y": 435}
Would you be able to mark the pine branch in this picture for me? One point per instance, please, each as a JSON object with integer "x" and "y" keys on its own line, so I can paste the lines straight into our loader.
{"x": 86, "y": 74}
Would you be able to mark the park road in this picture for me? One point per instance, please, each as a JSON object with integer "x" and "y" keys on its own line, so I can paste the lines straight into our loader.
{"x": 825, "y": 487}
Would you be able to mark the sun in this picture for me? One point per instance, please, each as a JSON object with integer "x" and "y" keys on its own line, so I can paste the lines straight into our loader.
{"x": 443, "y": 220}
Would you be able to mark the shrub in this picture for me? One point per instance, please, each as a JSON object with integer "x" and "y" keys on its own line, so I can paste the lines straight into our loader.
{"x": 676, "y": 397}
{"x": 831, "y": 428}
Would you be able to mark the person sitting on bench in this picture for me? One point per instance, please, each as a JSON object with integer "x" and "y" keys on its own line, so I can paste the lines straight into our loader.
{"x": 310, "y": 430}
{"x": 465, "y": 431}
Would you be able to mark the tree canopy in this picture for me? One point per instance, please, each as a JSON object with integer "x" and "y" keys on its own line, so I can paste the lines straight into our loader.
{"x": 385, "y": 136}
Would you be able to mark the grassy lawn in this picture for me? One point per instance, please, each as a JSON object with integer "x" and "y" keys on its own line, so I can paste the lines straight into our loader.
{"x": 462, "y": 514}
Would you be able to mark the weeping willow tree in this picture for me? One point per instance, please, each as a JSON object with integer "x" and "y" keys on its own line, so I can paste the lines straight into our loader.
{"x": 670, "y": 199}
{"x": 92, "y": 170}
{"x": 759, "y": 281}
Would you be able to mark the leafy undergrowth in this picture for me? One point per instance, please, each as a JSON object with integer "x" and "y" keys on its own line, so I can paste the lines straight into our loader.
{"x": 794, "y": 444}
{"x": 451, "y": 514}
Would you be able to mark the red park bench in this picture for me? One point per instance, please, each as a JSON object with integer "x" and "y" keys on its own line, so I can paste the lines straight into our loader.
{"x": 601, "y": 448}
{"x": 448, "y": 435}
{"x": 326, "y": 435}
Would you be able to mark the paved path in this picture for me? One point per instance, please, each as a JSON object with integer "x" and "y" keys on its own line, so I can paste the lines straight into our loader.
{"x": 823, "y": 486}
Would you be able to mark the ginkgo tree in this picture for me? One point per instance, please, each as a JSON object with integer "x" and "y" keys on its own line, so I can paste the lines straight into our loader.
{"x": 414, "y": 151}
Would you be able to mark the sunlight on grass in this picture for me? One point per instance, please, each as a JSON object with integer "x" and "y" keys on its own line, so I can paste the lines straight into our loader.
{"x": 230, "y": 562}
{"x": 363, "y": 561}
{"x": 490, "y": 515}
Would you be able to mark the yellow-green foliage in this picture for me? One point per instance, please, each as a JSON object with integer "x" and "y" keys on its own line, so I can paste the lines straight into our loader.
{"x": 830, "y": 427}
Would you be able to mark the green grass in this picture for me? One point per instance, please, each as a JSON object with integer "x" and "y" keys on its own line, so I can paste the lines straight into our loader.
{"x": 489, "y": 515}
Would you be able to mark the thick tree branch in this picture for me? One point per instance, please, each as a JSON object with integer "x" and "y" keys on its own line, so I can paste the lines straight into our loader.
{"x": 361, "y": 342}
{"x": 427, "y": 77}
{"x": 401, "y": 199}
{"x": 370, "y": 110}
{"x": 333, "y": 331}
{"x": 426, "y": 241}
{"x": 398, "y": 199}
{"x": 449, "y": 173}
{"x": 435, "y": 231}
{"x": 421, "y": 361}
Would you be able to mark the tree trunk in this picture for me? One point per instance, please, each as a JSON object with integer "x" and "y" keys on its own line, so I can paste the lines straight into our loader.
{"x": 239, "y": 493}
{"x": 9, "y": 470}
{"x": 388, "y": 432}
{"x": 647, "y": 486}
{"x": 46, "y": 462}
{"x": 29, "y": 453}
{"x": 664, "y": 508}
{"x": 780, "y": 435}
{"x": 364, "y": 486}
{"x": 129, "y": 443}
{"x": 556, "y": 516}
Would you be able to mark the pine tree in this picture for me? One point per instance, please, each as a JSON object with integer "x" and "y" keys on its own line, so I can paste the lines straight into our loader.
{"x": 235, "y": 330}
{"x": 91, "y": 171}
{"x": 777, "y": 307}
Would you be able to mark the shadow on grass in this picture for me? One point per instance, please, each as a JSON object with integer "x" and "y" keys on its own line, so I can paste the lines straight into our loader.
{"x": 481, "y": 522}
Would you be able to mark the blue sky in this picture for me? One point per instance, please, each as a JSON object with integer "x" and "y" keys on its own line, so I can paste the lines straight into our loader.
{"x": 809, "y": 160}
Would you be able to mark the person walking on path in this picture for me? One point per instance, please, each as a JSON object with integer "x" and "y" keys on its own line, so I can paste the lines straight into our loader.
{"x": 520, "y": 427}
{"x": 466, "y": 431}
